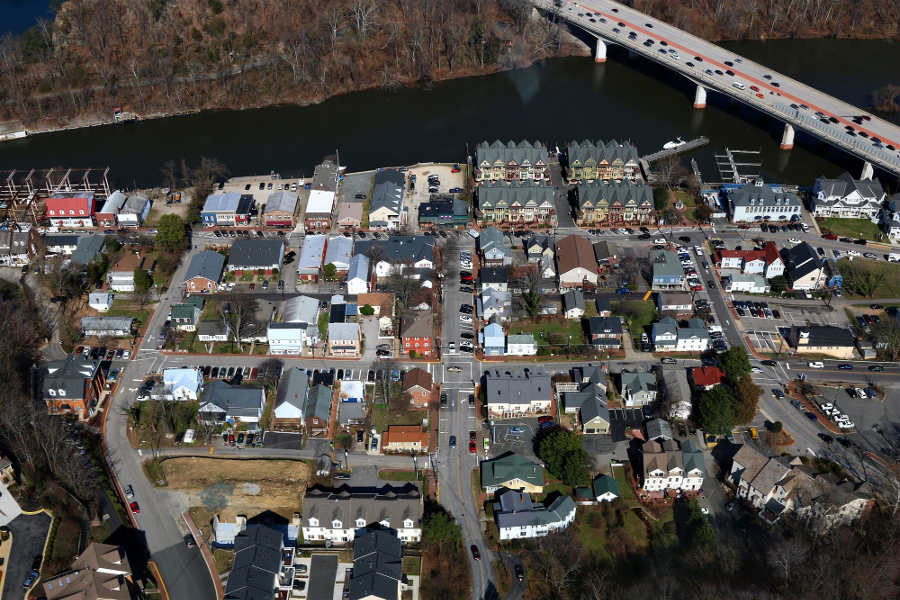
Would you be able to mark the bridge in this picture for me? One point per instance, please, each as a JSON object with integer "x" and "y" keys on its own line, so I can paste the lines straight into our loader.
{"x": 798, "y": 106}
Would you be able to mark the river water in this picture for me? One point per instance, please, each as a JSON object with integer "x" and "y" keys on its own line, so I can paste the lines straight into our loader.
{"x": 554, "y": 101}
{"x": 18, "y": 15}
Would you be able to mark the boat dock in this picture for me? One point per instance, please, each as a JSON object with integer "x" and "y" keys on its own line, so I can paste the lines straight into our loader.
{"x": 645, "y": 161}
{"x": 728, "y": 165}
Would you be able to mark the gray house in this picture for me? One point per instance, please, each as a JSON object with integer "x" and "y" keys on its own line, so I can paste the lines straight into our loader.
{"x": 291, "y": 397}
{"x": 255, "y": 255}
{"x": 106, "y": 326}
{"x": 222, "y": 402}
{"x": 638, "y": 389}
{"x": 491, "y": 244}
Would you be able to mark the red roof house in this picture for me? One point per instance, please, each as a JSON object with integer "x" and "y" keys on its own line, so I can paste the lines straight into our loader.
{"x": 71, "y": 209}
{"x": 705, "y": 378}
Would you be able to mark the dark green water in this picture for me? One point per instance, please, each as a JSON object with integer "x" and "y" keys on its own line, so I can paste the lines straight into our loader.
{"x": 554, "y": 101}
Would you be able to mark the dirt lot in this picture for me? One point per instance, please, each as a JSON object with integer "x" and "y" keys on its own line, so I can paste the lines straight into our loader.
{"x": 232, "y": 487}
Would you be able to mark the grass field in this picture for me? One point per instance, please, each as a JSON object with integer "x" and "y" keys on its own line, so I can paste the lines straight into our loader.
{"x": 638, "y": 315}
{"x": 383, "y": 416}
{"x": 854, "y": 228}
{"x": 548, "y": 327}
{"x": 889, "y": 286}
{"x": 126, "y": 308}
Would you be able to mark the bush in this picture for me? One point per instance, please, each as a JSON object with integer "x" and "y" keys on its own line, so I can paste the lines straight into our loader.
{"x": 413, "y": 354}
{"x": 775, "y": 427}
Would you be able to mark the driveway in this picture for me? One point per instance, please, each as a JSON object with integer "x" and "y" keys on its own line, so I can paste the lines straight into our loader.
{"x": 622, "y": 419}
{"x": 29, "y": 534}
{"x": 283, "y": 441}
{"x": 322, "y": 573}
{"x": 516, "y": 588}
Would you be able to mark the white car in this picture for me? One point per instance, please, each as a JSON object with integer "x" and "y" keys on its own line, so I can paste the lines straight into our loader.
{"x": 854, "y": 253}
{"x": 659, "y": 241}
{"x": 756, "y": 370}
{"x": 465, "y": 318}
{"x": 860, "y": 393}
{"x": 794, "y": 241}
{"x": 826, "y": 406}
{"x": 816, "y": 365}
{"x": 846, "y": 424}
{"x": 231, "y": 285}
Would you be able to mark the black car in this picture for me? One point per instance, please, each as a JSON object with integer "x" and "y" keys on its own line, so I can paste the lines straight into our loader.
{"x": 520, "y": 573}
{"x": 826, "y": 438}
{"x": 644, "y": 236}
{"x": 685, "y": 238}
{"x": 359, "y": 435}
{"x": 360, "y": 196}
{"x": 230, "y": 372}
{"x": 729, "y": 63}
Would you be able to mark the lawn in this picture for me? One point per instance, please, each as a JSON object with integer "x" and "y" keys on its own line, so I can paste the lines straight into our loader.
{"x": 639, "y": 316}
{"x": 889, "y": 287}
{"x": 553, "y": 488}
{"x": 122, "y": 307}
{"x": 855, "y": 228}
{"x": 543, "y": 329}
{"x": 383, "y": 416}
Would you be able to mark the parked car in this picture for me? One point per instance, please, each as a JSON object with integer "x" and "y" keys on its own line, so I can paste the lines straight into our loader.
{"x": 135, "y": 509}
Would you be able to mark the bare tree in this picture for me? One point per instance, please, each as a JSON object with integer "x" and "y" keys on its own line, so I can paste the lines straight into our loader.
{"x": 269, "y": 368}
{"x": 787, "y": 556}
{"x": 238, "y": 312}
{"x": 404, "y": 281}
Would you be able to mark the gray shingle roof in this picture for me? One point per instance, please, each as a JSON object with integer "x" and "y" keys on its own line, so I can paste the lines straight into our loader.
{"x": 525, "y": 513}
{"x": 88, "y": 247}
{"x": 845, "y": 185}
{"x": 522, "y": 153}
{"x": 517, "y": 388}
{"x": 292, "y": 389}
{"x": 282, "y": 200}
{"x": 207, "y": 264}
{"x": 573, "y": 299}
{"x": 387, "y": 195}
{"x": 256, "y": 253}
{"x": 608, "y": 152}
{"x": 493, "y": 275}
{"x": 257, "y": 562}
{"x": 68, "y": 375}
{"x": 757, "y": 193}
{"x": 503, "y": 194}
{"x": 491, "y": 238}
{"x": 666, "y": 264}
{"x": 339, "y": 250}
{"x": 801, "y": 260}
{"x": 318, "y": 403}
{"x": 232, "y": 398}
{"x": 359, "y": 268}
{"x": 623, "y": 194}
{"x": 605, "y": 325}
{"x": 396, "y": 248}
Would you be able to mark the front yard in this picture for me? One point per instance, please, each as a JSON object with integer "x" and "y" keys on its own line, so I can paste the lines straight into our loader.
{"x": 124, "y": 307}
{"x": 638, "y": 316}
{"x": 854, "y": 228}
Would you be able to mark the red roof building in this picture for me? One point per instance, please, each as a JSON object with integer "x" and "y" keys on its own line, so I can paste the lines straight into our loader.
{"x": 71, "y": 209}
{"x": 705, "y": 378}
{"x": 766, "y": 262}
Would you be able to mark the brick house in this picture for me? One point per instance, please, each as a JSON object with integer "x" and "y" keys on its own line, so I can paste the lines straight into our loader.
{"x": 72, "y": 386}
{"x": 418, "y": 385}
{"x": 204, "y": 272}
{"x": 417, "y": 333}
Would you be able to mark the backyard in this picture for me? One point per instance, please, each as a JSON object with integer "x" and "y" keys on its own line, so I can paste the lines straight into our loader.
{"x": 122, "y": 307}
{"x": 870, "y": 279}
{"x": 382, "y": 416}
{"x": 542, "y": 330}
{"x": 639, "y": 316}
{"x": 854, "y": 228}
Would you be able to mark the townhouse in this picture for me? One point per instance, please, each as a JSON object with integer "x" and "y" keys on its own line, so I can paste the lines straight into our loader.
{"x": 847, "y": 198}
{"x": 322, "y": 194}
{"x": 73, "y": 210}
{"x": 515, "y": 203}
{"x": 358, "y": 281}
{"x": 377, "y": 572}
{"x": 280, "y": 210}
{"x": 519, "y": 518}
{"x": 312, "y": 255}
{"x": 227, "y": 209}
{"x": 508, "y": 162}
{"x": 18, "y": 244}
{"x": 538, "y": 246}
{"x": 72, "y": 386}
{"x": 756, "y": 201}
{"x": 577, "y": 266}
{"x": 417, "y": 333}
{"x": 255, "y": 255}
{"x": 204, "y": 272}
{"x": 100, "y": 572}
{"x": 317, "y": 410}
{"x": 343, "y": 339}
{"x": 518, "y": 394}
{"x": 605, "y": 161}
{"x": 513, "y": 472}
{"x": 341, "y": 517}
{"x": 613, "y": 204}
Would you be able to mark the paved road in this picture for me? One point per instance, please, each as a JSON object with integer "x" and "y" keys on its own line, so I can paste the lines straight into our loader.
{"x": 29, "y": 535}
{"x": 705, "y": 56}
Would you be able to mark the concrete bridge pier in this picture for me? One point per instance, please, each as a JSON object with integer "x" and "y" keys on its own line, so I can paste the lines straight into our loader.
{"x": 867, "y": 171}
{"x": 787, "y": 140}
{"x": 700, "y": 97}
{"x": 600, "y": 57}
{"x": 632, "y": 55}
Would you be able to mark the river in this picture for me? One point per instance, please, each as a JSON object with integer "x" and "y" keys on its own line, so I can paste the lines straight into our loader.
{"x": 553, "y": 101}
{"x": 18, "y": 15}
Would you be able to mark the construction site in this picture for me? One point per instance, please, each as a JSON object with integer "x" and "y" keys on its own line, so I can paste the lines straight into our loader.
{"x": 23, "y": 194}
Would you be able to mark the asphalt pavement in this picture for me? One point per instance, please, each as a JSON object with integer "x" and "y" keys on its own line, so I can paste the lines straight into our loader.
{"x": 29, "y": 534}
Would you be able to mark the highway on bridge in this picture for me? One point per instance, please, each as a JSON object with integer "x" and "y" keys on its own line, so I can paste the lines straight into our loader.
{"x": 798, "y": 105}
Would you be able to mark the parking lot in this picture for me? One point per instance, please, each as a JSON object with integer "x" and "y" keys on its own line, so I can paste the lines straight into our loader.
{"x": 354, "y": 184}
{"x": 764, "y": 332}
{"x": 270, "y": 185}
{"x": 421, "y": 194}
{"x": 515, "y": 435}
{"x": 623, "y": 419}
{"x": 29, "y": 535}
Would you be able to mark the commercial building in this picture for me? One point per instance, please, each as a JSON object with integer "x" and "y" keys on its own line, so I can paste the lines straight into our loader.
{"x": 444, "y": 211}
{"x": 417, "y": 333}
{"x": 837, "y": 342}
{"x": 668, "y": 273}
{"x": 756, "y": 201}
{"x": 322, "y": 195}
{"x": 72, "y": 386}
{"x": 73, "y": 210}
{"x": 280, "y": 209}
{"x": 312, "y": 255}
{"x": 226, "y": 210}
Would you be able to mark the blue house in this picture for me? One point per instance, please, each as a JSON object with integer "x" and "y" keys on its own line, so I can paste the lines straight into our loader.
{"x": 493, "y": 341}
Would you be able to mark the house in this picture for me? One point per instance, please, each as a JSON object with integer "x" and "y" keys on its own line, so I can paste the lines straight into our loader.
{"x": 588, "y": 401}
{"x": 756, "y": 201}
{"x": 73, "y": 210}
{"x": 515, "y": 203}
{"x": 255, "y": 255}
{"x": 322, "y": 194}
{"x": 519, "y": 394}
{"x": 494, "y": 306}
{"x": 377, "y": 572}
{"x": 507, "y": 162}
{"x": 443, "y": 211}
{"x": 662, "y": 466}
{"x": 106, "y": 326}
{"x": 694, "y": 470}
{"x": 766, "y": 262}
{"x": 607, "y": 253}
{"x": 847, "y": 198}
{"x": 605, "y": 332}
{"x": 605, "y": 488}
{"x": 87, "y": 249}
{"x": 72, "y": 386}
{"x": 18, "y": 244}
{"x": 638, "y": 389}
{"x": 351, "y": 414}
{"x": 573, "y": 304}
{"x": 838, "y": 342}
{"x": 705, "y": 378}
{"x": 623, "y": 203}
{"x": 757, "y": 476}
{"x": 135, "y": 211}
{"x": 386, "y": 205}
{"x": 606, "y": 161}
{"x": 519, "y": 518}
{"x": 280, "y": 209}
{"x": 805, "y": 270}
{"x": 494, "y": 278}
{"x": 665, "y": 335}
{"x": 317, "y": 410}
{"x": 185, "y": 317}
{"x": 350, "y": 215}
{"x": 100, "y": 301}
{"x": 204, "y": 272}
{"x": 312, "y": 255}
{"x": 418, "y": 387}
{"x": 604, "y": 307}
{"x": 658, "y": 430}
{"x": 676, "y": 393}
{"x": 100, "y": 572}
{"x": 66, "y": 244}
{"x": 338, "y": 252}
{"x": 521, "y": 345}
{"x": 261, "y": 570}
{"x": 668, "y": 273}
{"x": 291, "y": 397}
{"x": 492, "y": 246}
{"x": 675, "y": 303}
{"x": 358, "y": 275}
{"x": 512, "y": 472}
{"x": 748, "y": 284}
{"x": 576, "y": 263}
{"x": 223, "y": 402}
{"x": 343, "y": 339}
{"x": 121, "y": 273}
{"x": 343, "y": 516}
{"x": 297, "y": 329}
{"x": 422, "y": 300}
{"x": 182, "y": 383}
{"x": 416, "y": 333}
{"x": 107, "y": 214}
{"x": 213, "y": 331}
{"x": 493, "y": 340}
{"x": 407, "y": 252}
{"x": 227, "y": 209}
{"x": 405, "y": 439}
{"x": 538, "y": 246}
{"x": 693, "y": 338}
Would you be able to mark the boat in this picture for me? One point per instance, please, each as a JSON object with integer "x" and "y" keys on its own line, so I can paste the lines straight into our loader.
{"x": 674, "y": 144}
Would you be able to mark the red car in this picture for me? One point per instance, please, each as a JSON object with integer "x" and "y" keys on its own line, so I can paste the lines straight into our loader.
{"x": 252, "y": 286}
{"x": 472, "y": 448}
{"x": 254, "y": 373}
{"x": 544, "y": 419}
{"x": 475, "y": 553}
{"x": 829, "y": 237}
{"x": 754, "y": 88}
{"x": 135, "y": 508}
{"x": 78, "y": 350}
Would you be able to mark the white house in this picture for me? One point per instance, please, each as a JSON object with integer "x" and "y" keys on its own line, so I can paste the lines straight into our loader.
{"x": 182, "y": 384}
{"x": 521, "y": 345}
{"x": 692, "y": 460}
{"x": 291, "y": 396}
{"x": 747, "y": 283}
{"x": 847, "y": 198}
{"x": 520, "y": 518}
{"x": 675, "y": 302}
{"x": 693, "y": 338}
{"x": 662, "y": 466}
{"x": 665, "y": 334}
{"x": 573, "y": 305}
{"x": 890, "y": 223}
{"x": 358, "y": 275}
{"x": 135, "y": 210}
{"x": 757, "y": 201}
{"x": 341, "y": 517}
{"x": 100, "y": 301}
{"x": 298, "y": 327}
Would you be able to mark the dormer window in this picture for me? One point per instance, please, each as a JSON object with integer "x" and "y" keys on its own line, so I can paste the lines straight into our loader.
{"x": 336, "y": 524}
{"x": 360, "y": 523}
{"x": 313, "y": 522}
{"x": 52, "y": 392}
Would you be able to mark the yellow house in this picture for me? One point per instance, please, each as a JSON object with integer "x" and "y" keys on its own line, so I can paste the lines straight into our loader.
{"x": 514, "y": 472}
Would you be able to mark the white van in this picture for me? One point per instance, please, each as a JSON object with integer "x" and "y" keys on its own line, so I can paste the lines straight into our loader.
{"x": 816, "y": 365}
{"x": 738, "y": 85}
